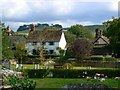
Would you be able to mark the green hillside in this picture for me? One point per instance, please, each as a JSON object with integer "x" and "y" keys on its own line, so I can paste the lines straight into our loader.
{"x": 94, "y": 27}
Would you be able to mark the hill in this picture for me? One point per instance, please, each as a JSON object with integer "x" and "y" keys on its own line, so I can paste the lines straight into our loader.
{"x": 94, "y": 27}
{"x": 26, "y": 28}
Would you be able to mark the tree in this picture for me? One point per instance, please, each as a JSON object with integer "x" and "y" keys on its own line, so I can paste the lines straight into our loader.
{"x": 80, "y": 31}
{"x": 112, "y": 31}
{"x": 70, "y": 38}
{"x": 80, "y": 49}
{"x": 7, "y": 53}
{"x": 20, "y": 50}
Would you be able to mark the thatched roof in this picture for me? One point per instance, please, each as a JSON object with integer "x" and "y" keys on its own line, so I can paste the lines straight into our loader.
{"x": 17, "y": 38}
{"x": 44, "y": 36}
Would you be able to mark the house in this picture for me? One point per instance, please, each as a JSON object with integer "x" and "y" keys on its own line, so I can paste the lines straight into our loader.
{"x": 15, "y": 38}
{"x": 100, "y": 42}
{"x": 51, "y": 40}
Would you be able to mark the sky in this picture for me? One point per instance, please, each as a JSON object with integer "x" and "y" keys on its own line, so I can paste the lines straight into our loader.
{"x": 65, "y": 12}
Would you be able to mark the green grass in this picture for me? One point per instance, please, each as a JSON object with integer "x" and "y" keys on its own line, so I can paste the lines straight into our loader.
{"x": 60, "y": 82}
{"x": 31, "y": 66}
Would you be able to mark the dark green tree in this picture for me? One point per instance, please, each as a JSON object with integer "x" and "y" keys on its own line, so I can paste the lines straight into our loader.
{"x": 7, "y": 52}
{"x": 112, "y": 31}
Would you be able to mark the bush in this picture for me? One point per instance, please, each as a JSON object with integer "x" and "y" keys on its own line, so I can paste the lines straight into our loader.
{"x": 110, "y": 59}
{"x": 21, "y": 84}
{"x": 97, "y": 58}
{"x": 67, "y": 73}
{"x": 38, "y": 73}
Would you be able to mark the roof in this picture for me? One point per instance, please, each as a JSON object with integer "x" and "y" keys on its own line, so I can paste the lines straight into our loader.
{"x": 105, "y": 39}
{"x": 17, "y": 38}
{"x": 44, "y": 35}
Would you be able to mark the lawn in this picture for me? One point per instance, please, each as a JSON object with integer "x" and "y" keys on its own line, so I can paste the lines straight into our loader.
{"x": 31, "y": 66}
{"x": 60, "y": 82}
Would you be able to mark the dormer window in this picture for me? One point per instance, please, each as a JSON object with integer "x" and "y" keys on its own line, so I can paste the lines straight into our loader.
{"x": 51, "y": 43}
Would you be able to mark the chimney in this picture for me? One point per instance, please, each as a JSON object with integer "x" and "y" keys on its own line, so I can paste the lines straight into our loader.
{"x": 33, "y": 27}
{"x": 9, "y": 31}
{"x": 98, "y": 33}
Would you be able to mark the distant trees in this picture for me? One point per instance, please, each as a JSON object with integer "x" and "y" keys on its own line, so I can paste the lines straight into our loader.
{"x": 112, "y": 31}
{"x": 80, "y": 31}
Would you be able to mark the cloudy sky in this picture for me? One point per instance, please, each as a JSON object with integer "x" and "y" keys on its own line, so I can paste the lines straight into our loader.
{"x": 64, "y": 12}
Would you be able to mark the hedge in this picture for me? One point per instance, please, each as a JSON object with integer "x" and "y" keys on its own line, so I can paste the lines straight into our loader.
{"x": 79, "y": 73}
{"x": 110, "y": 59}
{"x": 97, "y": 58}
{"x": 38, "y": 73}
{"x": 70, "y": 73}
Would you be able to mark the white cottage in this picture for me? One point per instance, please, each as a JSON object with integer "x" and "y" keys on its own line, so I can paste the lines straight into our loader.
{"x": 51, "y": 40}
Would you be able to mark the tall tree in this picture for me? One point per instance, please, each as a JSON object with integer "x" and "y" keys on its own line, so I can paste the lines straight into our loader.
{"x": 7, "y": 53}
{"x": 80, "y": 31}
{"x": 112, "y": 31}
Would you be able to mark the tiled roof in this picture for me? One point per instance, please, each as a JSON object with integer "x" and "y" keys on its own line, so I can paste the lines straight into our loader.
{"x": 44, "y": 36}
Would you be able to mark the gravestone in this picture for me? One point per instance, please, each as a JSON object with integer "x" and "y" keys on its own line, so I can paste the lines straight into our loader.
{"x": 6, "y": 64}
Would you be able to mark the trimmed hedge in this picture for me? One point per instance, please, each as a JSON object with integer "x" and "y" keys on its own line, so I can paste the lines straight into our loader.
{"x": 38, "y": 73}
{"x": 110, "y": 59}
{"x": 97, "y": 58}
{"x": 79, "y": 73}
{"x": 71, "y": 73}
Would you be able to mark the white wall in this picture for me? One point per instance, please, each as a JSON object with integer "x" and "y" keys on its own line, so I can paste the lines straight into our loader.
{"x": 48, "y": 47}
{"x": 62, "y": 42}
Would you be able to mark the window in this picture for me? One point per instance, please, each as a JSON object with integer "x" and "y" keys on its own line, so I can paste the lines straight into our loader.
{"x": 51, "y": 51}
{"x": 34, "y": 52}
{"x": 34, "y": 43}
{"x": 51, "y": 43}
{"x": 43, "y": 43}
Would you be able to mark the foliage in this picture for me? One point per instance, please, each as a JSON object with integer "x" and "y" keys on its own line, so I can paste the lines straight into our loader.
{"x": 97, "y": 58}
{"x": 110, "y": 59}
{"x": 80, "y": 31}
{"x": 112, "y": 31}
{"x": 71, "y": 73}
{"x": 21, "y": 84}
{"x": 20, "y": 50}
{"x": 70, "y": 37}
{"x": 80, "y": 49}
{"x": 38, "y": 73}
{"x": 6, "y": 46}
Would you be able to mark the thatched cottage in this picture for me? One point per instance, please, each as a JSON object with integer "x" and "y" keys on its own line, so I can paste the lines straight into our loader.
{"x": 50, "y": 40}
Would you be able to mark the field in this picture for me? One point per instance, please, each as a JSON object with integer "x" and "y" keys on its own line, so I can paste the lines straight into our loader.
{"x": 60, "y": 82}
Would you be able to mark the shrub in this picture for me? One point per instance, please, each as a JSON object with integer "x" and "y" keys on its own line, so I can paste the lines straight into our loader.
{"x": 21, "y": 84}
{"x": 110, "y": 59}
{"x": 38, "y": 73}
{"x": 97, "y": 58}
{"x": 67, "y": 73}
